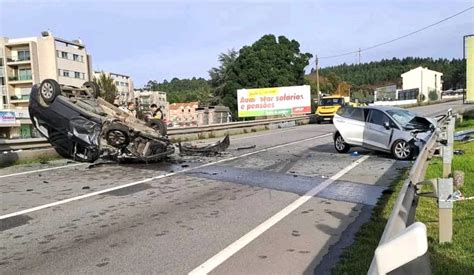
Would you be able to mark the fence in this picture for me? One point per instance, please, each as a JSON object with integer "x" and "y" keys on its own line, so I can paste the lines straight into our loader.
{"x": 403, "y": 246}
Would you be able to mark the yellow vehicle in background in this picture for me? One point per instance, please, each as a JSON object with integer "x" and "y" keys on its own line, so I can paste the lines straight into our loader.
{"x": 328, "y": 106}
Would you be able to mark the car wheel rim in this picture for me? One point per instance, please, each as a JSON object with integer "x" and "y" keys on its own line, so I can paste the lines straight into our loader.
{"x": 47, "y": 90}
{"x": 116, "y": 137}
{"x": 340, "y": 143}
{"x": 402, "y": 150}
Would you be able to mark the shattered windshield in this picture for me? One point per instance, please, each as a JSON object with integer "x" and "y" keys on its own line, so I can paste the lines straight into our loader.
{"x": 402, "y": 117}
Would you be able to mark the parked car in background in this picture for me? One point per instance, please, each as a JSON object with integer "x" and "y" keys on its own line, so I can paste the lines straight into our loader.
{"x": 389, "y": 129}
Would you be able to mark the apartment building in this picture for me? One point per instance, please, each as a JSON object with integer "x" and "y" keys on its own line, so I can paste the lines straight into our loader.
{"x": 145, "y": 98}
{"x": 27, "y": 61}
{"x": 124, "y": 84}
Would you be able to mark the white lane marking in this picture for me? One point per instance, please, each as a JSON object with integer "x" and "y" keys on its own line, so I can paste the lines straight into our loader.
{"x": 233, "y": 248}
{"x": 29, "y": 210}
{"x": 41, "y": 170}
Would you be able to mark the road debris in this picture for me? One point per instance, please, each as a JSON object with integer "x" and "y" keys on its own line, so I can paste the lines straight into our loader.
{"x": 247, "y": 147}
{"x": 466, "y": 135}
{"x": 206, "y": 150}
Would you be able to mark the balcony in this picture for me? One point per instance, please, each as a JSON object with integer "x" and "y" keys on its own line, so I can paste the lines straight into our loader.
{"x": 18, "y": 61}
{"x": 13, "y": 80}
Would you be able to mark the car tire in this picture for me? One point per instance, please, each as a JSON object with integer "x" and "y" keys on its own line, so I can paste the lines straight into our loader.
{"x": 402, "y": 150}
{"x": 93, "y": 88}
{"x": 318, "y": 120}
{"x": 340, "y": 145}
{"x": 159, "y": 126}
{"x": 49, "y": 89}
{"x": 117, "y": 135}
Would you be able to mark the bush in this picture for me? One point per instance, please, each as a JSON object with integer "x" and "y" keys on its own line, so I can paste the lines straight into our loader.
{"x": 433, "y": 95}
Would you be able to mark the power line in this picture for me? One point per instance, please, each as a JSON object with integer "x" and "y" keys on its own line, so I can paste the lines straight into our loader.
{"x": 398, "y": 38}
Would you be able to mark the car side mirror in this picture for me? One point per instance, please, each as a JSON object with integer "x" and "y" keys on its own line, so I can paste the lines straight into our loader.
{"x": 386, "y": 124}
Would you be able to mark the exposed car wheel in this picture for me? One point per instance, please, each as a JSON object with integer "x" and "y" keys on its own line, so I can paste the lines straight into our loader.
{"x": 402, "y": 150}
{"x": 340, "y": 145}
{"x": 159, "y": 126}
{"x": 49, "y": 89}
{"x": 117, "y": 135}
{"x": 318, "y": 120}
{"x": 93, "y": 88}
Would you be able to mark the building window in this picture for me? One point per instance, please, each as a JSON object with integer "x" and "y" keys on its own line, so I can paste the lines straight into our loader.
{"x": 64, "y": 55}
{"x": 77, "y": 57}
{"x": 24, "y": 74}
{"x": 23, "y": 55}
{"x": 66, "y": 73}
{"x": 58, "y": 53}
{"x": 77, "y": 75}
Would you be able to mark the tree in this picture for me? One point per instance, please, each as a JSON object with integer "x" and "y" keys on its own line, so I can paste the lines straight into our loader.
{"x": 107, "y": 87}
{"x": 183, "y": 90}
{"x": 269, "y": 62}
{"x": 220, "y": 75}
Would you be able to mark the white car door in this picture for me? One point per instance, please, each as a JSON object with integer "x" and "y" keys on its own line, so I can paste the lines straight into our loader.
{"x": 351, "y": 123}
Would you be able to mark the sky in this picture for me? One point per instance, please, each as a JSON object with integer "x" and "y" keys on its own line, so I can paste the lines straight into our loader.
{"x": 157, "y": 40}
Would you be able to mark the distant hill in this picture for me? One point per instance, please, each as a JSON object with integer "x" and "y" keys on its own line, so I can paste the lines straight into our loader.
{"x": 367, "y": 76}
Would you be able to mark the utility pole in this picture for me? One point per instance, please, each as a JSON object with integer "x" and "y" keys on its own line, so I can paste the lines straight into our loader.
{"x": 317, "y": 76}
{"x": 359, "y": 56}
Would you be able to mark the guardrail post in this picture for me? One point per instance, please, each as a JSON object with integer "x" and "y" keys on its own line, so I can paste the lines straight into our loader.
{"x": 445, "y": 207}
{"x": 445, "y": 189}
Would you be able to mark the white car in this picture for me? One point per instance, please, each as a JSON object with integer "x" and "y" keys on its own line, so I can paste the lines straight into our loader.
{"x": 388, "y": 129}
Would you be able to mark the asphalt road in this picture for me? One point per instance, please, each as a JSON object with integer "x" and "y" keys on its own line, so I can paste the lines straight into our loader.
{"x": 287, "y": 206}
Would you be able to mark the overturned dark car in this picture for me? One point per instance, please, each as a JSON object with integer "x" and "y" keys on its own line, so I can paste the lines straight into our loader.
{"x": 82, "y": 126}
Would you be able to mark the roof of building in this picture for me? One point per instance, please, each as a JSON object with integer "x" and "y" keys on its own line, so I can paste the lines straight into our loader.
{"x": 177, "y": 106}
{"x": 420, "y": 68}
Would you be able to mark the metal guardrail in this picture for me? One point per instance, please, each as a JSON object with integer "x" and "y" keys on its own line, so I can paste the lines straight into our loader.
{"x": 36, "y": 143}
{"x": 403, "y": 246}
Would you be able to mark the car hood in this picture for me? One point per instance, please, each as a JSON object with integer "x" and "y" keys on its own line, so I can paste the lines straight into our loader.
{"x": 421, "y": 124}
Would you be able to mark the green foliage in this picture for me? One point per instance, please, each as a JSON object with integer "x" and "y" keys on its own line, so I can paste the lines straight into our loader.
{"x": 433, "y": 95}
{"x": 107, "y": 87}
{"x": 183, "y": 90}
{"x": 269, "y": 62}
{"x": 220, "y": 75}
{"x": 388, "y": 71}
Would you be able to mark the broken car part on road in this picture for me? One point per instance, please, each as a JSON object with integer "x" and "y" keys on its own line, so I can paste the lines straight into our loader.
{"x": 187, "y": 149}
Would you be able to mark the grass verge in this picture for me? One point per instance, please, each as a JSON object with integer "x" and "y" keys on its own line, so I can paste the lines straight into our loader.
{"x": 455, "y": 258}
{"x": 356, "y": 258}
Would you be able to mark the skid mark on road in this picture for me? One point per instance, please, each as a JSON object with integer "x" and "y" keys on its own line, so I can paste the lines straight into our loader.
{"x": 236, "y": 246}
{"x": 57, "y": 203}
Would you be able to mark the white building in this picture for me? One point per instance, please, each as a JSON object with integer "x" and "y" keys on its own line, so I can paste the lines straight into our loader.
{"x": 28, "y": 61}
{"x": 423, "y": 79}
{"x": 124, "y": 84}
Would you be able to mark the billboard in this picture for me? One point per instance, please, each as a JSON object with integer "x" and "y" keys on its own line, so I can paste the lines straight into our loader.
{"x": 469, "y": 56}
{"x": 291, "y": 100}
